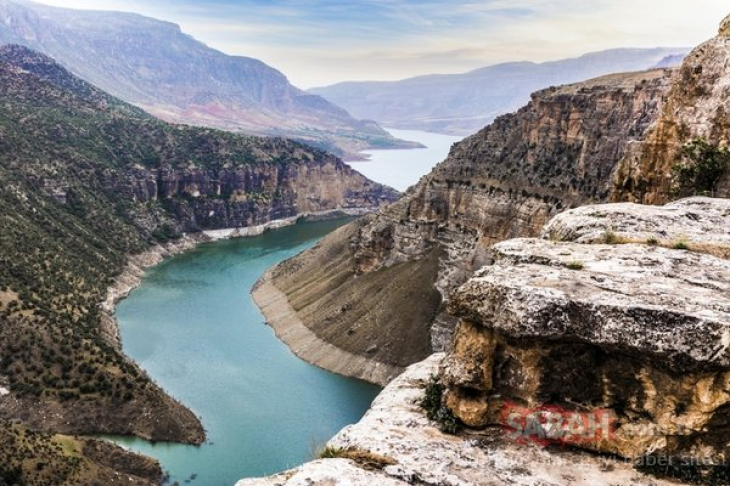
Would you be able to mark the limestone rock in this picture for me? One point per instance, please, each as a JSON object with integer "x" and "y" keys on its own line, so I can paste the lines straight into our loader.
{"x": 637, "y": 298}
{"x": 397, "y": 429}
{"x": 637, "y": 331}
{"x": 725, "y": 27}
{"x": 329, "y": 472}
{"x": 700, "y": 222}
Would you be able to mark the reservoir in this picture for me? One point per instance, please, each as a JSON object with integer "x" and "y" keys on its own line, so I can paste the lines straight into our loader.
{"x": 193, "y": 326}
{"x": 400, "y": 169}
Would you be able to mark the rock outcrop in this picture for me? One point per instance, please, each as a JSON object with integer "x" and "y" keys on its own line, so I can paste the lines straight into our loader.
{"x": 696, "y": 107}
{"x": 504, "y": 182}
{"x": 698, "y": 223}
{"x": 633, "y": 331}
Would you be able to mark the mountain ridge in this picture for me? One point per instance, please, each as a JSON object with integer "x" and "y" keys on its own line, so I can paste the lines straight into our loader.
{"x": 461, "y": 104}
{"x": 156, "y": 66}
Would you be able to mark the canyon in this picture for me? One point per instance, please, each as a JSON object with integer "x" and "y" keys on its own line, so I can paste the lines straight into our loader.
{"x": 536, "y": 306}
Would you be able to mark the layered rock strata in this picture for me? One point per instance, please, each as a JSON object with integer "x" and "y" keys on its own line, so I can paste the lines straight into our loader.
{"x": 696, "y": 107}
{"x": 635, "y": 331}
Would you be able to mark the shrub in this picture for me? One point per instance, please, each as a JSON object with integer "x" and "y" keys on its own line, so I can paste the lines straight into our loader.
{"x": 432, "y": 403}
{"x": 574, "y": 265}
{"x": 703, "y": 166}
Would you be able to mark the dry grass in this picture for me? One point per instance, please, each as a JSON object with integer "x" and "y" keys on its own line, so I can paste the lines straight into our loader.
{"x": 365, "y": 459}
{"x": 719, "y": 251}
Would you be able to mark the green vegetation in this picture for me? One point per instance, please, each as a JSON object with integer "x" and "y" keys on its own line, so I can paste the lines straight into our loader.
{"x": 365, "y": 459}
{"x": 69, "y": 159}
{"x": 610, "y": 238}
{"x": 574, "y": 265}
{"x": 681, "y": 245}
{"x": 652, "y": 241}
{"x": 31, "y": 458}
{"x": 433, "y": 403}
{"x": 701, "y": 170}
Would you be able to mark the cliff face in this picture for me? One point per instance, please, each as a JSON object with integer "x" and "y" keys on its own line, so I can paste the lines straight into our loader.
{"x": 696, "y": 107}
{"x": 203, "y": 199}
{"x": 575, "y": 362}
{"x": 504, "y": 182}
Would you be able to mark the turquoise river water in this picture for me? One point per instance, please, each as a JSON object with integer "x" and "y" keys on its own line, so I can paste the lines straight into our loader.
{"x": 193, "y": 326}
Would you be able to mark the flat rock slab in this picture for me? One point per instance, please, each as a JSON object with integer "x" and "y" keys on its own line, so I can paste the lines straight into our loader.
{"x": 697, "y": 220}
{"x": 396, "y": 428}
{"x": 642, "y": 299}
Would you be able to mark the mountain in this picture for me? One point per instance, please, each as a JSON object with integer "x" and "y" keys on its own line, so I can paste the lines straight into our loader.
{"x": 154, "y": 65}
{"x": 461, "y": 104}
{"x": 87, "y": 181}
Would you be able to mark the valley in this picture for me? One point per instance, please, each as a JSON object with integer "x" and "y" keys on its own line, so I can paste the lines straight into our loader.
{"x": 195, "y": 288}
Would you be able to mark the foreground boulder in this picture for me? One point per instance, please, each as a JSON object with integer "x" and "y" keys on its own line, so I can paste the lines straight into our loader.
{"x": 634, "y": 338}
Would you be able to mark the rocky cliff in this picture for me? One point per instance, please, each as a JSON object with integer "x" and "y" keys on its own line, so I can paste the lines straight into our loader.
{"x": 575, "y": 362}
{"x": 696, "y": 107}
{"x": 506, "y": 181}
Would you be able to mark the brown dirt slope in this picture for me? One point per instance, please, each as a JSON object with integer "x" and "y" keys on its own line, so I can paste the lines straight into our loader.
{"x": 384, "y": 315}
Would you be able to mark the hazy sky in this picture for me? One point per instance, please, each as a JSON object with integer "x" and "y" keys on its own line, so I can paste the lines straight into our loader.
{"x": 319, "y": 42}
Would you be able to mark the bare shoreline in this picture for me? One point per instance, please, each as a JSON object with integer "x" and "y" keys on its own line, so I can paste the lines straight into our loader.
{"x": 309, "y": 347}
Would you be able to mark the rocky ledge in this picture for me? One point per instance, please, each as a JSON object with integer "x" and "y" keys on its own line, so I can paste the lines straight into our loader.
{"x": 638, "y": 332}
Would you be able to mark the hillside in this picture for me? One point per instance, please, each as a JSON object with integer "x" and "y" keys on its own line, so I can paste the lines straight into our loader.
{"x": 156, "y": 66}
{"x": 462, "y": 104}
{"x": 86, "y": 181}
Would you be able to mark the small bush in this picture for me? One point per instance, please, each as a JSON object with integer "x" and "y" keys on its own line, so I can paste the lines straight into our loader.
{"x": 703, "y": 166}
{"x": 574, "y": 265}
{"x": 610, "y": 238}
{"x": 330, "y": 452}
{"x": 681, "y": 245}
{"x": 652, "y": 241}
{"x": 436, "y": 411}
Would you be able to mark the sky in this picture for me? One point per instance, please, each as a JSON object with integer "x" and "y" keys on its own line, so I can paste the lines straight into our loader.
{"x": 322, "y": 42}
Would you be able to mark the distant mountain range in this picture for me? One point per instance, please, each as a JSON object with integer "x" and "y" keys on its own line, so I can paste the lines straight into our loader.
{"x": 461, "y": 104}
{"x": 155, "y": 66}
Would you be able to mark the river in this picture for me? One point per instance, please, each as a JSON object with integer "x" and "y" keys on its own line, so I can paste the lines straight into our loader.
{"x": 400, "y": 169}
{"x": 193, "y": 326}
